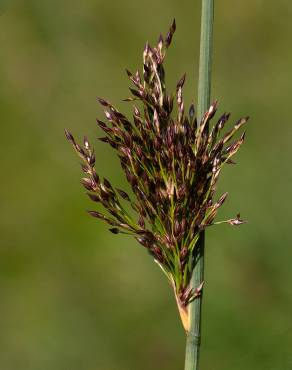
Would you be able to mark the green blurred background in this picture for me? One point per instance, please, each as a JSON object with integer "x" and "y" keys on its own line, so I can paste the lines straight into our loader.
{"x": 72, "y": 295}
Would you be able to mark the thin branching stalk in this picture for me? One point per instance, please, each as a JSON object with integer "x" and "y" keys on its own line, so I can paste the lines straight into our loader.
{"x": 204, "y": 88}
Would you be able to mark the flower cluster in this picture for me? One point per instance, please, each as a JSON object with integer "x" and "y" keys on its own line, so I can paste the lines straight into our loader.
{"x": 172, "y": 162}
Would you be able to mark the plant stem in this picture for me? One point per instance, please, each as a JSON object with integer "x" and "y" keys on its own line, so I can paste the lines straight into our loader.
{"x": 204, "y": 87}
{"x": 205, "y": 63}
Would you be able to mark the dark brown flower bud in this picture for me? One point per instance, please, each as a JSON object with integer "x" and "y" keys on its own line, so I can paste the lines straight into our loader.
{"x": 85, "y": 168}
{"x": 93, "y": 197}
{"x": 96, "y": 214}
{"x": 170, "y": 34}
{"x": 192, "y": 112}
{"x": 114, "y": 230}
{"x": 146, "y": 73}
{"x": 144, "y": 242}
{"x": 95, "y": 177}
{"x": 124, "y": 195}
{"x": 101, "y": 124}
{"x": 177, "y": 229}
{"x": 183, "y": 253}
{"x": 103, "y": 102}
{"x": 136, "y": 93}
{"x": 88, "y": 183}
{"x": 91, "y": 159}
{"x": 107, "y": 184}
{"x": 221, "y": 200}
{"x": 141, "y": 222}
{"x": 69, "y": 136}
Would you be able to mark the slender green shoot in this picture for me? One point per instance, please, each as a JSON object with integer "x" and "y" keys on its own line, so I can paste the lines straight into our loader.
{"x": 204, "y": 88}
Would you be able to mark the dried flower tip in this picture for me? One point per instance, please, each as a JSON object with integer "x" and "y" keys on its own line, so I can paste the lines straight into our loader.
{"x": 160, "y": 42}
{"x": 212, "y": 110}
{"x": 88, "y": 183}
{"x": 96, "y": 214}
{"x": 129, "y": 73}
{"x": 103, "y": 102}
{"x": 198, "y": 290}
{"x": 236, "y": 221}
{"x": 69, "y": 136}
{"x": 86, "y": 142}
{"x": 170, "y": 33}
{"x": 222, "y": 199}
{"x": 181, "y": 82}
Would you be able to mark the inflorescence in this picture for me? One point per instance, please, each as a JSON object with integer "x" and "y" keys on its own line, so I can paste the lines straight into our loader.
{"x": 172, "y": 162}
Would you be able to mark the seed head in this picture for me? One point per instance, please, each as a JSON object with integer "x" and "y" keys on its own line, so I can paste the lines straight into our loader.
{"x": 172, "y": 162}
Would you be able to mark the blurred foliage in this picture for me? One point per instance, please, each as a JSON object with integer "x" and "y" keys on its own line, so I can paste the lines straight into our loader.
{"x": 74, "y": 296}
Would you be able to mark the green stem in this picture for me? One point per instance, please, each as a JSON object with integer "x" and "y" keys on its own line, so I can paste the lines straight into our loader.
{"x": 205, "y": 64}
{"x": 204, "y": 87}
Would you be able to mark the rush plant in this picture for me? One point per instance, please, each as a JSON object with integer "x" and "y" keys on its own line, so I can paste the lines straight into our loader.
{"x": 172, "y": 159}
